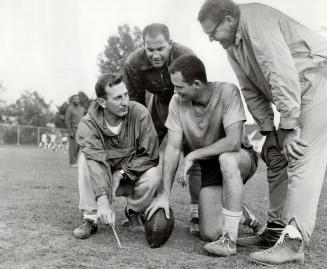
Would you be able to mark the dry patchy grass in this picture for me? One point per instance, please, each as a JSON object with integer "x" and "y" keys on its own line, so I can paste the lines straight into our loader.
{"x": 39, "y": 210}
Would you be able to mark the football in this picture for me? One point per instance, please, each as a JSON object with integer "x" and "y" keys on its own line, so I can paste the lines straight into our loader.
{"x": 158, "y": 228}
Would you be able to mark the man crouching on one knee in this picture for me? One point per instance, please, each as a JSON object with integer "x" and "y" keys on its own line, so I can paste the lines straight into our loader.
{"x": 119, "y": 155}
{"x": 208, "y": 117}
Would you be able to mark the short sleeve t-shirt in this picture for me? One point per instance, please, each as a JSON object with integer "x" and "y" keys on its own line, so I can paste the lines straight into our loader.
{"x": 202, "y": 129}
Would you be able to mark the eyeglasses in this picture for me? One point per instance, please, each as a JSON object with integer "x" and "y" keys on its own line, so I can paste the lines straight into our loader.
{"x": 213, "y": 32}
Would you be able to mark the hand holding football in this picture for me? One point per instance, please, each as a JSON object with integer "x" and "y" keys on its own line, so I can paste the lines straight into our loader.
{"x": 159, "y": 228}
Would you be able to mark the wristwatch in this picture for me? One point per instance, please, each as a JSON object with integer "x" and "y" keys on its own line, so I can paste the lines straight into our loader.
{"x": 122, "y": 172}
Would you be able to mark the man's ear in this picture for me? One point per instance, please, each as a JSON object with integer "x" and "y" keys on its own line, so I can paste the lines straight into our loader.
{"x": 229, "y": 19}
{"x": 101, "y": 102}
{"x": 197, "y": 84}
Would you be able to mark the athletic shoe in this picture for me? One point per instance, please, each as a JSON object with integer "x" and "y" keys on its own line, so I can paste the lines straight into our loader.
{"x": 251, "y": 220}
{"x": 135, "y": 221}
{"x": 266, "y": 238}
{"x": 87, "y": 229}
{"x": 286, "y": 250}
{"x": 223, "y": 247}
{"x": 194, "y": 227}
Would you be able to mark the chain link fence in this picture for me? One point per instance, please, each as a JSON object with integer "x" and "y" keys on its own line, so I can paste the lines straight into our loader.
{"x": 53, "y": 138}
{"x": 30, "y": 135}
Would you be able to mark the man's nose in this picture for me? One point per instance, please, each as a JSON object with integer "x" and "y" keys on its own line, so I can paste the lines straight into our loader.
{"x": 125, "y": 101}
{"x": 156, "y": 55}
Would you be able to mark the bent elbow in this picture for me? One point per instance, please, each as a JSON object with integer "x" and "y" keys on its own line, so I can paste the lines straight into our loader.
{"x": 236, "y": 146}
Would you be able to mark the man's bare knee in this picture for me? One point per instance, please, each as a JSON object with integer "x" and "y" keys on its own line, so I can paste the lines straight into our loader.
{"x": 208, "y": 234}
{"x": 229, "y": 164}
{"x": 151, "y": 177}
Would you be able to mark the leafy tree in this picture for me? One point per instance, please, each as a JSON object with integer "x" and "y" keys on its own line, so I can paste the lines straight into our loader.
{"x": 118, "y": 47}
{"x": 2, "y": 102}
{"x": 30, "y": 109}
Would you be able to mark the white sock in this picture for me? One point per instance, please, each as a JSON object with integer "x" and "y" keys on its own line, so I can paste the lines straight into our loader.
{"x": 230, "y": 223}
{"x": 90, "y": 216}
{"x": 194, "y": 211}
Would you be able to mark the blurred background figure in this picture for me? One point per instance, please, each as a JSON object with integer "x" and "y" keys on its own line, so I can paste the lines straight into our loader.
{"x": 64, "y": 144}
{"x": 74, "y": 114}
{"x": 53, "y": 142}
{"x": 44, "y": 141}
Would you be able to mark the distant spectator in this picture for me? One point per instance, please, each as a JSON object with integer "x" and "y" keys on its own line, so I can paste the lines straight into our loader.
{"x": 44, "y": 142}
{"x": 53, "y": 142}
{"x": 73, "y": 115}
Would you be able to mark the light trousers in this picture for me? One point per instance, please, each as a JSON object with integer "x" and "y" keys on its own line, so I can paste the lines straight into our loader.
{"x": 306, "y": 175}
{"x": 139, "y": 194}
{"x": 295, "y": 187}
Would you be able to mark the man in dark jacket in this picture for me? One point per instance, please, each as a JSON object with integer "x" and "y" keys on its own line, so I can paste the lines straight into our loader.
{"x": 119, "y": 155}
{"x": 73, "y": 115}
{"x": 146, "y": 69}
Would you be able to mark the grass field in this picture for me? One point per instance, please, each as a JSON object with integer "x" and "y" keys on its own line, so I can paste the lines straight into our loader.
{"x": 39, "y": 210}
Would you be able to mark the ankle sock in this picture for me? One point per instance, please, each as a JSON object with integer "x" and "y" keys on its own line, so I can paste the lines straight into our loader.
{"x": 194, "y": 211}
{"x": 230, "y": 223}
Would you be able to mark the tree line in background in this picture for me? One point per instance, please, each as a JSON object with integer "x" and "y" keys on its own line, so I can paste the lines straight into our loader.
{"x": 31, "y": 108}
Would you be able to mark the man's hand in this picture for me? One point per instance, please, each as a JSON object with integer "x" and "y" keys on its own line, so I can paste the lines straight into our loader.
{"x": 116, "y": 178}
{"x": 270, "y": 142}
{"x": 180, "y": 174}
{"x": 161, "y": 201}
{"x": 104, "y": 213}
{"x": 188, "y": 163}
{"x": 293, "y": 145}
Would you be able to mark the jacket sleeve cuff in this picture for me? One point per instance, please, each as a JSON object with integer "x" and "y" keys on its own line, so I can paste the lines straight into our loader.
{"x": 289, "y": 123}
{"x": 267, "y": 126}
{"x": 100, "y": 193}
{"x": 129, "y": 173}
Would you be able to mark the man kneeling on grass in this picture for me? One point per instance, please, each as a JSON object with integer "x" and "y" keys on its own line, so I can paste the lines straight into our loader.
{"x": 209, "y": 118}
{"x": 119, "y": 157}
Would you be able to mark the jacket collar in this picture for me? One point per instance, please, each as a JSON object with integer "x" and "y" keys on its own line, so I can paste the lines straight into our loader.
{"x": 96, "y": 113}
{"x": 238, "y": 35}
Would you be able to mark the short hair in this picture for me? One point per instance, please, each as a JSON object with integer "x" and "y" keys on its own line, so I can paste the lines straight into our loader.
{"x": 191, "y": 67}
{"x": 105, "y": 79}
{"x": 217, "y": 10}
{"x": 155, "y": 29}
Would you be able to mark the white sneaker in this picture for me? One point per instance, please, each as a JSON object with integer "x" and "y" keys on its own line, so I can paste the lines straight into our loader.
{"x": 223, "y": 247}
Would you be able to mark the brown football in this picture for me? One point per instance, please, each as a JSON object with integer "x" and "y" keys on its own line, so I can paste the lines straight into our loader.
{"x": 158, "y": 228}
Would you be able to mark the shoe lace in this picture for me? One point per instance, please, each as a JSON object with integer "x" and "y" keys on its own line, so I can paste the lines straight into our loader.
{"x": 267, "y": 234}
{"x": 278, "y": 244}
{"x": 133, "y": 219}
{"x": 222, "y": 241}
{"x": 273, "y": 249}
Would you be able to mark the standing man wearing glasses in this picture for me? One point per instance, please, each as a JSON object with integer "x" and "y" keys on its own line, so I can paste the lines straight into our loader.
{"x": 279, "y": 61}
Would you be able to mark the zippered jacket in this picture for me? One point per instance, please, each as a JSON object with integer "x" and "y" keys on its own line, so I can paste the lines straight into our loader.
{"x": 135, "y": 149}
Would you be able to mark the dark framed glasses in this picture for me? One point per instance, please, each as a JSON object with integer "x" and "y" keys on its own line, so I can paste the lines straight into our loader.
{"x": 212, "y": 33}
